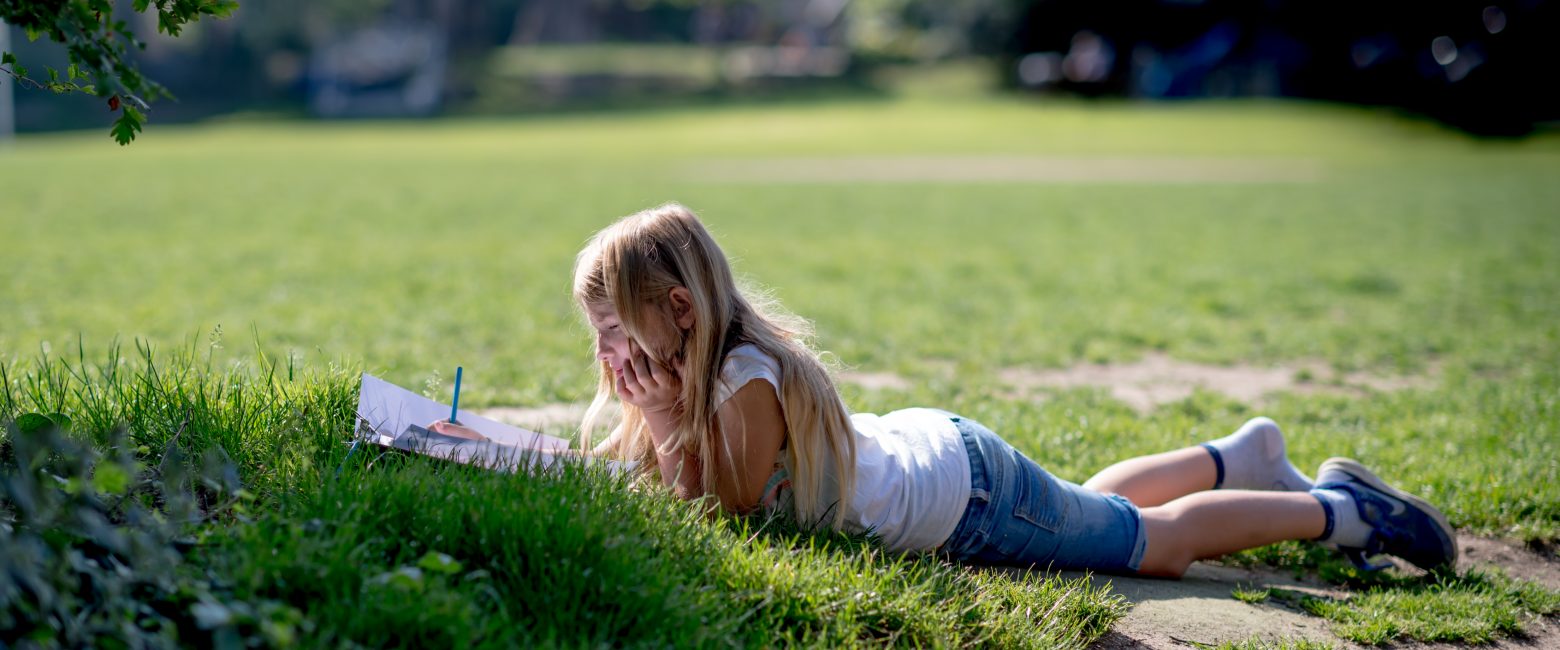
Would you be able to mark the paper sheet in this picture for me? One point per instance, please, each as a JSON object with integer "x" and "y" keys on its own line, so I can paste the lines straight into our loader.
{"x": 390, "y": 409}
{"x": 392, "y": 416}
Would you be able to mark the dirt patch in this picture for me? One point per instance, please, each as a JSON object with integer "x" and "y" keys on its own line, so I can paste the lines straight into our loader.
{"x": 563, "y": 415}
{"x": 1159, "y": 379}
{"x": 1144, "y": 384}
{"x": 1200, "y": 610}
{"x": 875, "y": 380}
{"x": 999, "y": 169}
{"x": 1517, "y": 560}
{"x": 567, "y": 415}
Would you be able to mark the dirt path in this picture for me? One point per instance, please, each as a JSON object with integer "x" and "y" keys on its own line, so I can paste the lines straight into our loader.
{"x": 1199, "y": 608}
{"x": 1007, "y": 169}
{"x": 1144, "y": 384}
{"x": 1158, "y": 378}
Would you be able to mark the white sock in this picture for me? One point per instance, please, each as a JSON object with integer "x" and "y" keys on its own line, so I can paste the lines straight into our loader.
{"x": 1347, "y": 529}
{"x": 1253, "y": 458}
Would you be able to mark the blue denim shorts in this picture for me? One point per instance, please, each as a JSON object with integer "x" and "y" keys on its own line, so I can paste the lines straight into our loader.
{"x": 1021, "y": 515}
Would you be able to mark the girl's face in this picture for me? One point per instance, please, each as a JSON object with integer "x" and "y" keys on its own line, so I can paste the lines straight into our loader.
{"x": 616, "y": 348}
{"x": 613, "y": 344}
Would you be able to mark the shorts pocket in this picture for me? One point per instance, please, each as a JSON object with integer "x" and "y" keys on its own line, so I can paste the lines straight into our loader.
{"x": 1030, "y": 532}
{"x": 1040, "y": 499}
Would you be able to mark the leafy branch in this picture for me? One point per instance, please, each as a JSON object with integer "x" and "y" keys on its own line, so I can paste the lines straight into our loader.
{"x": 98, "y": 47}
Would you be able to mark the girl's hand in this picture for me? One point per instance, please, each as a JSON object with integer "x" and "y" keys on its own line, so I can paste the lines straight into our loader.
{"x": 649, "y": 386}
{"x": 455, "y": 430}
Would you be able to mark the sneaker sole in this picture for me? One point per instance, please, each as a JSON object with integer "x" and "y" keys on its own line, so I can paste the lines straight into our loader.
{"x": 1355, "y": 469}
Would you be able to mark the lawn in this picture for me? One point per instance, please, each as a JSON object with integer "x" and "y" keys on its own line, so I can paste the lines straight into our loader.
{"x": 265, "y": 264}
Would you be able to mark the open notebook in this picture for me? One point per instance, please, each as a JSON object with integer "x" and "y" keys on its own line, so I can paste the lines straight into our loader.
{"x": 392, "y": 416}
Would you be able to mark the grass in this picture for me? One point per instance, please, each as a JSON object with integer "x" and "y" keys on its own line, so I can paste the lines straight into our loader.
{"x": 1476, "y": 606}
{"x": 405, "y": 249}
{"x": 1251, "y": 595}
{"x": 1259, "y": 643}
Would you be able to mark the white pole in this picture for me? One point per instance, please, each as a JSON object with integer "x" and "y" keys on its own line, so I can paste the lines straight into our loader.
{"x": 7, "y": 105}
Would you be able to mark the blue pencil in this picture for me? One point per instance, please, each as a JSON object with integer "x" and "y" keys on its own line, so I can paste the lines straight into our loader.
{"x": 455, "y": 403}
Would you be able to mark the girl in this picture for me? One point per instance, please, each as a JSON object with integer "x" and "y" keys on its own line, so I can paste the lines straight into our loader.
{"x": 722, "y": 396}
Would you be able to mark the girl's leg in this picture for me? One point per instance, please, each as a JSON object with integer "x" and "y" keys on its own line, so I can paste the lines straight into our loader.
{"x": 1351, "y": 508}
{"x": 1158, "y": 479}
{"x": 1210, "y": 524}
{"x": 1251, "y": 458}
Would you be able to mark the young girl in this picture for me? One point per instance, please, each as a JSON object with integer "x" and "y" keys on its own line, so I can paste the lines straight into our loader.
{"x": 722, "y": 396}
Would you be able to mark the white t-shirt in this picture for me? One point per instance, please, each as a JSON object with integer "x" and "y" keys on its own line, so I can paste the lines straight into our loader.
{"x": 912, "y": 472}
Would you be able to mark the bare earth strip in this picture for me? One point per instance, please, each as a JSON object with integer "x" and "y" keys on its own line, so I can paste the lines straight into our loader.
{"x": 1005, "y": 169}
{"x": 1144, "y": 384}
{"x": 1199, "y": 608}
{"x": 1159, "y": 379}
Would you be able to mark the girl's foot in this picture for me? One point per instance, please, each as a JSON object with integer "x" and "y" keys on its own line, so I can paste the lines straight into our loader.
{"x": 1253, "y": 458}
{"x": 1365, "y": 517}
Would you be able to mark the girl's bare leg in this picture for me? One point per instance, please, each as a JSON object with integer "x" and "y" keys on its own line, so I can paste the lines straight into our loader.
{"x": 1251, "y": 458}
{"x": 1213, "y": 523}
{"x": 1158, "y": 479}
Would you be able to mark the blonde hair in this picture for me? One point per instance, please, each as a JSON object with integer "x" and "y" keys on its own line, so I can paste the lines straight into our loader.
{"x": 632, "y": 265}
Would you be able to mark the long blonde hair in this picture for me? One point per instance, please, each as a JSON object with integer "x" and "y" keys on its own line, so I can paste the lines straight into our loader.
{"x": 632, "y": 265}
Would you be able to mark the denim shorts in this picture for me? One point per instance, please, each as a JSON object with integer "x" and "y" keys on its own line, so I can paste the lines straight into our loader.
{"x": 1021, "y": 515}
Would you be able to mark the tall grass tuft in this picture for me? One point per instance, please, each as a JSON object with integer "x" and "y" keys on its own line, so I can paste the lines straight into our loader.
{"x": 281, "y": 426}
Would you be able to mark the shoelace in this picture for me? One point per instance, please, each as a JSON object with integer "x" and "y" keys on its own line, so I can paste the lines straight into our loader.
{"x": 1382, "y": 533}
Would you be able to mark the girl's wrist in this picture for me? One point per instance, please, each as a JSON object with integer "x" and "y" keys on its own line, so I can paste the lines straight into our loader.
{"x": 661, "y": 423}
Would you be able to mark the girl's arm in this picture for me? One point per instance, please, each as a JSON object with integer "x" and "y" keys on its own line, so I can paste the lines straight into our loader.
{"x": 751, "y": 430}
{"x": 655, "y": 391}
{"x": 680, "y": 470}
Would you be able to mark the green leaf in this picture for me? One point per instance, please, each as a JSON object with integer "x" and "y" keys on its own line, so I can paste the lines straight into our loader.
{"x": 54, "y": 75}
{"x": 406, "y": 578}
{"x": 33, "y": 422}
{"x": 111, "y": 479}
{"x": 60, "y": 420}
{"x": 438, "y": 562}
{"x": 221, "y": 8}
{"x": 140, "y": 5}
{"x": 128, "y": 124}
{"x": 73, "y": 72}
{"x": 7, "y": 58}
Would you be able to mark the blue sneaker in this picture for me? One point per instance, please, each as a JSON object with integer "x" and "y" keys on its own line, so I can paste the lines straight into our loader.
{"x": 1402, "y": 524}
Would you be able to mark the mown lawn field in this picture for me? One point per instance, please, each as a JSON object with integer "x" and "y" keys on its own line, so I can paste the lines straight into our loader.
{"x": 266, "y": 264}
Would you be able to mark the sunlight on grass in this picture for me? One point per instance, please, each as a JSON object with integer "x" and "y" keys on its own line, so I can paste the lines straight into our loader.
{"x": 223, "y": 285}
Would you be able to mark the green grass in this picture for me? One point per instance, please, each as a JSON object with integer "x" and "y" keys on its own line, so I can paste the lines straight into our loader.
{"x": 1251, "y": 594}
{"x": 1258, "y": 643}
{"x": 579, "y": 560}
{"x": 408, "y": 248}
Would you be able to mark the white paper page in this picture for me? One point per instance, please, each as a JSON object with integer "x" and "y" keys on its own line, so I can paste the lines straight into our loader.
{"x": 388, "y": 408}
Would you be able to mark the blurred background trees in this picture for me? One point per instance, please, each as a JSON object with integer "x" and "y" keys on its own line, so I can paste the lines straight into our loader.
{"x": 1479, "y": 65}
